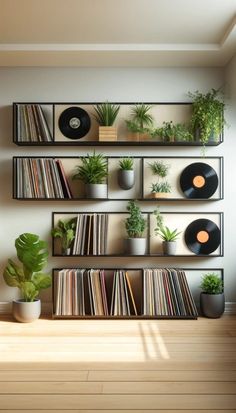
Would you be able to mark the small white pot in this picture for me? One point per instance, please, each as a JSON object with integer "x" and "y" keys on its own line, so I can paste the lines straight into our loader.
{"x": 25, "y": 311}
{"x": 136, "y": 246}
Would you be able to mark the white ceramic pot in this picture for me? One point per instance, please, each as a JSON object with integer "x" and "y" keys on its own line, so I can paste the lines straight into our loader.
{"x": 25, "y": 311}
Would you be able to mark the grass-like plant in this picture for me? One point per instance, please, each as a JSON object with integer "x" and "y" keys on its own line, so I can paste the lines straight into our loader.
{"x": 160, "y": 187}
{"x": 93, "y": 169}
{"x": 29, "y": 278}
{"x": 66, "y": 231}
{"x": 211, "y": 284}
{"x": 163, "y": 231}
{"x": 167, "y": 234}
{"x": 159, "y": 168}
{"x": 141, "y": 120}
{"x": 135, "y": 224}
{"x": 126, "y": 164}
{"x": 208, "y": 114}
{"x": 106, "y": 113}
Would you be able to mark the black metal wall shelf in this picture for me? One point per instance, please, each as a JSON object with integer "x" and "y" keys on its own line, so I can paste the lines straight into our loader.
{"x": 95, "y": 142}
{"x": 140, "y": 191}
{"x": 134, "y": 317}
{"x": 149, "y": 235}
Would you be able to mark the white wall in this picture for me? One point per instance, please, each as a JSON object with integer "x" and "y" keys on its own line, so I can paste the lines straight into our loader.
{"x": 34, "y": 84}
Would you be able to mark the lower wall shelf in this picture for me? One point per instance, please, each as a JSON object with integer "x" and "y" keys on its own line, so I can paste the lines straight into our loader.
{"x": 134, "y": 293}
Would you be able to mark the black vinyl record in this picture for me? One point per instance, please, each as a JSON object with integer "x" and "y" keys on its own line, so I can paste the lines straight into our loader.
{"x": 74, "y": 122}
{"x": 198, "y": 180}
{"x": 202, "y": 236}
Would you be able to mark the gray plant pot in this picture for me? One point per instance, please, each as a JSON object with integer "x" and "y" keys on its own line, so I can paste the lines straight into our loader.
{"x": 169, "y": 247}
{"x": 136, "y": 246}
{"x": 66, "y": 251}
{"x": 212, "y": 305}
{"x": 96, "y": 190}
{"x": 125, "y": 179}
{"x": 25, "y": 312}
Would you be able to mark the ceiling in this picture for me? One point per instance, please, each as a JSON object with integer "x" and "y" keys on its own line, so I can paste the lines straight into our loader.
{"x": 141, "y": 33}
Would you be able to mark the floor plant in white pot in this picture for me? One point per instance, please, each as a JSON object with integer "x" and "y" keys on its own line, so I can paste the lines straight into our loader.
{"x": 32, "y": 252}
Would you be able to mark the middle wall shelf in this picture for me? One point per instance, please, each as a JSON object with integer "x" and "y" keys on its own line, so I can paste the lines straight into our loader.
{"x": 188, "y": 178}
{"x": 104, "y": 234}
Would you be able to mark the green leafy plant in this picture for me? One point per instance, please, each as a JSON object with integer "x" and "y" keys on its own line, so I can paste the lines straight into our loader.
{"x": 126, "y": 164}
{"x": 163, "y": 231}
{"x": 106, "y": 113}
{"x": 66, "y": 231}
{"x": 211, "y": 284}
{"x": 170, "y": 132}
{"x": 208, "y": 114}
{"x": 135, "y": 224}
{"x": 93, "y": 169}
{"x": 164, "y": 187}
{"x": 141, "y": 120}
{"x": 160, "y": 170}
{"x": 29, "y": 278}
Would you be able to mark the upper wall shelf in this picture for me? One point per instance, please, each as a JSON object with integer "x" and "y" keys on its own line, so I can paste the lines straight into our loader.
{"x": 74, "y": 124}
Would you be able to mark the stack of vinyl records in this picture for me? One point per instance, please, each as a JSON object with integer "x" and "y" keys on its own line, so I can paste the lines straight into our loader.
{"x": 32, "y": 124}
{"x": 166, "y": 293}
{"x": 122, "y": 299}
{"x": 41, "y": 178}
{"x": 69, "y": 292}
{"x": 91, "y": 234}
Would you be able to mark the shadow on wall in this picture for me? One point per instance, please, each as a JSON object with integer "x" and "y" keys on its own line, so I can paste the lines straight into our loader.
{"x": 6, "y": 126}
{"x": 6, "y": 181}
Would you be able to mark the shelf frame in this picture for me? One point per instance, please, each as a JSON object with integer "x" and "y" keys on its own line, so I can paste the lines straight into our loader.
{"x": 97, "y": 142}
{"x": 132, "y": 317}
{"x": 191, "y": 255}
{"x": 142, "y": 183}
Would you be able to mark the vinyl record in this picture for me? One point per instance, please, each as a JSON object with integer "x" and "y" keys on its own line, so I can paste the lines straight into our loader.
{"x": 74, "y": 122}
{"x": 198, "y": 180}
{"x": 202, "y": 236}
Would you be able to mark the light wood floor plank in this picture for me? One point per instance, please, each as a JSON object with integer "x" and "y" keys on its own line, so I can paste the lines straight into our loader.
{"x": 117, "y": 376}
{"x": 120, "y": 401}
{"x": 92, "y": 388}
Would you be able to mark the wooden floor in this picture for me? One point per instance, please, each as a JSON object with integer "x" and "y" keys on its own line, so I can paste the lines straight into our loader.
{"x": 118, "y": 366}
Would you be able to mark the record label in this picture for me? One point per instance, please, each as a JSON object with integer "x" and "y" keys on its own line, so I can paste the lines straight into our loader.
{"x": 74, "y": 122}
{"x": 198, "y": 180}
{"x": 202, "y": 236}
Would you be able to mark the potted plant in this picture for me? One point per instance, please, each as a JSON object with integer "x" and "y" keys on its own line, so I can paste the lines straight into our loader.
{"x": 141, "y": 120}
{"x": 126, "y": 173}
{"x": 29, "y": 278}
{"x": 66, "y": 231}
{"x": 135, "y": 226}
{"x": 170, "y": 132}
{"x": 93, "y": 172}
{"x": 212, "y": 299}
{"x": 168, "y": 236}
{"x": 160, "y": 189}
{"x": 207, "y": 119}
{"x": 106, "y": 114}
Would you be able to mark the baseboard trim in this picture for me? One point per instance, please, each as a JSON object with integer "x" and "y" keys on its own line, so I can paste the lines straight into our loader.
{"x": 5, "y": 308}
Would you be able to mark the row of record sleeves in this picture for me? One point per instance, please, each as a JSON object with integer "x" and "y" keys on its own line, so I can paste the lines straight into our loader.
{"x": 81, "y": 292}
